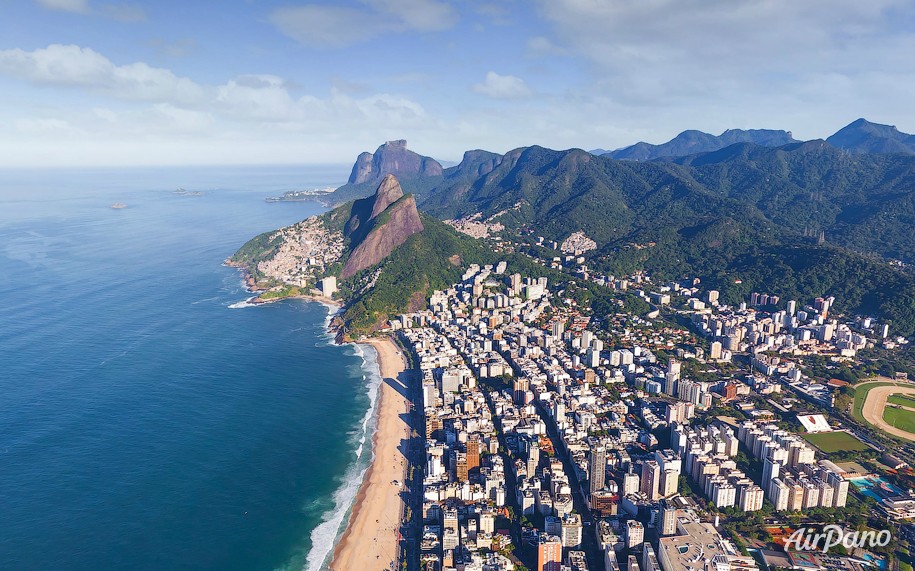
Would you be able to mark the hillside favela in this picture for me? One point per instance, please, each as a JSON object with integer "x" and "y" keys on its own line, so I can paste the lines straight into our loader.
{"x": 249, "y": 326}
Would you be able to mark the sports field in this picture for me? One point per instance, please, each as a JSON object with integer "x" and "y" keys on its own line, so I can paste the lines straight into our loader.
{"x": 837, "y": 441}
{"x": 873, "y": 405}
{"x": 861, "y": 391}
{"x": 902, "y": 400}
{"x": 900, "y": 418}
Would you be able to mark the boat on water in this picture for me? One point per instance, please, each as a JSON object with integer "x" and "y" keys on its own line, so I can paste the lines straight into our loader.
{"x": 182, "y": 192}
{"x": 118, "y": 205}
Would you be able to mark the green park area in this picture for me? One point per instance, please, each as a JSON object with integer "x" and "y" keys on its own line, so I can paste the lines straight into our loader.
{"x": 902, "y": 400}
{"x": 837, "y": 441}
{"x": 900, "y": 418}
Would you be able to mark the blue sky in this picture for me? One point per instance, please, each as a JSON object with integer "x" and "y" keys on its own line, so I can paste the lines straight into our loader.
{"x": 106, "y": 82}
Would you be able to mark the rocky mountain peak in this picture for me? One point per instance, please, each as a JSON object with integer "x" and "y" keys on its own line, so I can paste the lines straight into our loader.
{"x": 387, "y": 194}
{"x": 393, "y": 218}
{"x": 392, "y": 157}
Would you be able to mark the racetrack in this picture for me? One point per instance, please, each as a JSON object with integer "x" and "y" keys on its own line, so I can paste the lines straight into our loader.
{"x": 876, "y": 403}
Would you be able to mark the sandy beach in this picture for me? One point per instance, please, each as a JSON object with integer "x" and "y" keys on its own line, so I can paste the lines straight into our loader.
{"x": 370, "y": 540}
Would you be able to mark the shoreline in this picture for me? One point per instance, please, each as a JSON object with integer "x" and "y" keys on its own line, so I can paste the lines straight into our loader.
{"x": 370, "y": 537}
{"x": 251, "y": 287}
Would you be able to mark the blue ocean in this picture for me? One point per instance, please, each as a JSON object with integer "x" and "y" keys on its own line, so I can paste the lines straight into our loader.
{"x": 148, "y": 420}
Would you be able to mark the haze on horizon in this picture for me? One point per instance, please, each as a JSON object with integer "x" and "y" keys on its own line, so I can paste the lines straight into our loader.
{"x": 117, "y": 83}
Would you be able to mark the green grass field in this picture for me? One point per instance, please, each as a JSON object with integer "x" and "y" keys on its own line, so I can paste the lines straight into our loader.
{"x": 902, "y": 400}
{"x": 861, "y": 391}
{"x": 900, "y": 418}
{"x": 835, "y": 442}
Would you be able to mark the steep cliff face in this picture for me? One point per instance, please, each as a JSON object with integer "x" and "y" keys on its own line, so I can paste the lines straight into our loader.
{"x": 388, "y": 193}
{"x": 393, "y": 218}
{"x": 394, "y": 158}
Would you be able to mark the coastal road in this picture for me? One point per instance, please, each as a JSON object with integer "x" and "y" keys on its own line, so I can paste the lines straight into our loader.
{"x": 873, "y": 408}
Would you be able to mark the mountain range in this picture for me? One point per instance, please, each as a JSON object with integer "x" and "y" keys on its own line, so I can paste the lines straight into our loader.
{"x": 859, "y": 136}
{"x": 737, "y": 209}
{"x": 692, "y": 142}
{"x": 802, "y": 219}
{"x": 420, "y": 174}
{"x": 862, "y": 136}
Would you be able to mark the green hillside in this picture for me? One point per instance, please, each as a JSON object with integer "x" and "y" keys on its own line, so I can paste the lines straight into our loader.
{"x": 432, "y": 259}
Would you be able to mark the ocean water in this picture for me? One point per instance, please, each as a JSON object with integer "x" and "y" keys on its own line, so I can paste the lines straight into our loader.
{"x": 144, "y": 423}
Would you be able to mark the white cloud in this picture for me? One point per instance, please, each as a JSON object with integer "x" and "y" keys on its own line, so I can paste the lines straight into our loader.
{"x": 76, "y": 6}
{"x": 666, "y": 46}
{"x": 59, "y": 65}
{"x": 326, "y": 26}
{"x": 502, "y": 87}
{"x": 258, "y": 98}
{"x": 418, "y": 15}
{"x": 662, "y": 66}
{"x": 150, "y": 108}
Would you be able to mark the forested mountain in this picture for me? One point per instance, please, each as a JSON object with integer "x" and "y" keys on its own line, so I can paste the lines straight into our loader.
{"x": 828, "y": 220}
{"x": 863, "y": 202}
{"x": 691, "y": 142}
{"x": 803, "y": 220}
{"x": 862, "y": 136}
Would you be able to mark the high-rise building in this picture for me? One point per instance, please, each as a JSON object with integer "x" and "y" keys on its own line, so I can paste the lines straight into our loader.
{"x": 521, "y": 386}
{"x": 533, "y": 456}
{"x": 651, "y": 479}
{"x": 450, "y": 538}
{"x": 488, "y": 522}
{"x": 771, "y": 470}
{"x": 779, "y": 494}
{"x": 715, "y": 350}
{"x": 751, "y": 498}
{"x": 473, "y": 451}
{"x": 635, "y": 533}
{"x": 598, "y": 467}
{"x": 571, "y": 530}
{"x": 549, "y": 553}
{"x": 329, "y": 286}
{"x": 723, "y": 494}
{"x": 630, "y": 483}
{"x": 516, "y": 283}
{"x": 667, "y": 519}
{"x": 460, "y": 466}
{"x": 670, "y": 383}
{"x": 433, "y": 424}
{"x": 673, "y": 368}
{"x": 840, "y": 489}
{"x": 670, "y": 482}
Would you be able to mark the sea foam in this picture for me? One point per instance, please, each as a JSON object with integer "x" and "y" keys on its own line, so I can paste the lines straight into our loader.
{"x": 327, "y": 534}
